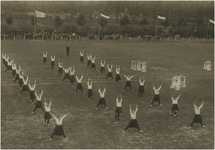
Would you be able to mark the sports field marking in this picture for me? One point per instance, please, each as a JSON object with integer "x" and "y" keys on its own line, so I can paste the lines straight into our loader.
{"x": 47, "y": 83}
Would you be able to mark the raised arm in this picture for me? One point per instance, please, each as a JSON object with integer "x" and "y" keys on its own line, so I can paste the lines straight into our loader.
{"x": 50, "y": 102}
{"x": 125, "y": 75}
{"x": 104, "y": 91}
{"x": 201, "y": 105}
{"x": 121, "y": 97}
{"x": 178, "y": 96}
{"x": 36, "y": 93}
{"x": 81, "y": 77}
{"x": 11, "y": 61}
{"x": 53, "y": 116}
{"x": 160, "y": 87}
{"x": 35, "y": 82}
{"x": 41, "y": 93}
{"x": 29, "y": 83}
{"x": 27, "y": 79}
{"x": 153, "y": 87}
{"x": 136, "y": 109}
{"x": 130, "y": 109}
{"x": 195, "y": 107}
{"x": 64, "y": 116}
{"x": 99, "y": 90}
{"x": 131, "y": 76}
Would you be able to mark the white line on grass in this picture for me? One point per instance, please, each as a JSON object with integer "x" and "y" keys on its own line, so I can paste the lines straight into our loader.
{"x": 47, "y": 83}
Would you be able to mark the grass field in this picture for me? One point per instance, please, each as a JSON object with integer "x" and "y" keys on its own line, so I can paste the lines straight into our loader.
{"x": 88, "y": 128}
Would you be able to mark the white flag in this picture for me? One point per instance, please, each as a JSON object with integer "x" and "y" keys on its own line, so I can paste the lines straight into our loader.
{"x": 211, "y": 21}
{"x": 105, "y": 16}
{"x": 162, "y": 18}
{"x": 40, "y": 14}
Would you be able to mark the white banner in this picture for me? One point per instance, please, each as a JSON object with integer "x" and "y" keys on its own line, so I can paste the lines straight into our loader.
{"x": 105, "y": 16}
{"x": 162, "y": 18}
{"x": 40, "y": 14}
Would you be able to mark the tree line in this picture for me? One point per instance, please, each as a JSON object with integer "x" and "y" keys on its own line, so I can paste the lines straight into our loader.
{"x": 185, "y": 18}
{"x": 169, "y": 9}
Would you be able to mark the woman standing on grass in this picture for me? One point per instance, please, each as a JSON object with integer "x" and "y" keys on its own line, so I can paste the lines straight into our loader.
{"x": 102, "y": 98}
{"x": 118, "y": 106}
{"x": 25, "y": 85}
{"x": 52, "y": 61}
{"x": 133, "y": 123}
{"x": 88, "y": 60}
{"x": 45, "y": 57}
{"x": 9, "y": 67}
{"x": 79, "y": 85}
{"x": 72, "y": 76}
{"x": 60, "y": 70}
{"x": 102, "y": 66}
{"x": 174, "y": 109}
{"x": 17, "y": 74}
{"x": 66, "y": 75}
{"x": 58, "y": 128}
{"x": 141, "y": 87}
{"x": 117, "y": 78}
{"x": 93, "y": 65}
{"x": 128, "y": 83}
{"x": 13, "y": 69}
{"x": 6, "y": 60}
{"x": 47, "y": 115}
{"x": 109, "y": 71}
{"x": 32, "y": 92}
{"x": 38, "y": 103}
{"x": 197, "y": 118}
{"x": 81, "y": 56}
{"x": 21, "y": 78}
{"x": 156, "y": 98}
{"x": 3, "y": 58}
{"x": 90, "y": 86}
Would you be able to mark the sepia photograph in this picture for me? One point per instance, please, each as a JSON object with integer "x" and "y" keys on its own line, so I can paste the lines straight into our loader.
{"x": 107, "y": 74}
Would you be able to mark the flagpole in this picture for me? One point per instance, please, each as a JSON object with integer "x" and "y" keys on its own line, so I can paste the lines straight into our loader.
{"x": 156, "y": 26}
{"x": 34, "y": 23}
{"x": 99, "y": 24}
{"x": 208, "y": 27}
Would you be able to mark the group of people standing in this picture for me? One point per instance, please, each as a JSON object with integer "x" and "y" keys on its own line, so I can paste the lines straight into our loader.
{"x": 25, "y": 85}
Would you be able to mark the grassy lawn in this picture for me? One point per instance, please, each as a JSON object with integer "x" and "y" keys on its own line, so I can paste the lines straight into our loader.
{"x": 88, "y": 128}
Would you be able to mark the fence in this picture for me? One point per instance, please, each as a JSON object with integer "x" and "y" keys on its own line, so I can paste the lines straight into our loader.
{"x": 94, "y": 37}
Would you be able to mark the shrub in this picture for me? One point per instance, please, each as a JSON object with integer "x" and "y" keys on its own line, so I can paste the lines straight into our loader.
{"x": 144, "y": 22}
{"x": 81, "y": 20}
{"x": 124, "y": 21}
{"x": 9, "y": 20}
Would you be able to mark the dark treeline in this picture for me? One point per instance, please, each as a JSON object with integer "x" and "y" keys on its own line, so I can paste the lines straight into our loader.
{"x": 170, "y": 9}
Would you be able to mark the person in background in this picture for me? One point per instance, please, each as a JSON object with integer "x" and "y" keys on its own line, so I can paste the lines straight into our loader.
{"x": 47, "y": 115}
{"x": 156, "y": 97}
{"x": 58, "y": 128}
{"x": 197, "y": 118}
{"x": 89, "y": 85}
{"x": 32, "y": 91}
{"x": 141, "y": 87}
{"x": 174, "y": 109}
{"x": 102, "y": 97}
{"x": 52, "y": 61}
{"x": 67, "y": 50}
{"x": 44, "y": 57}
{"x": 118, "y": 109}
{"x": 133, "y": 123}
